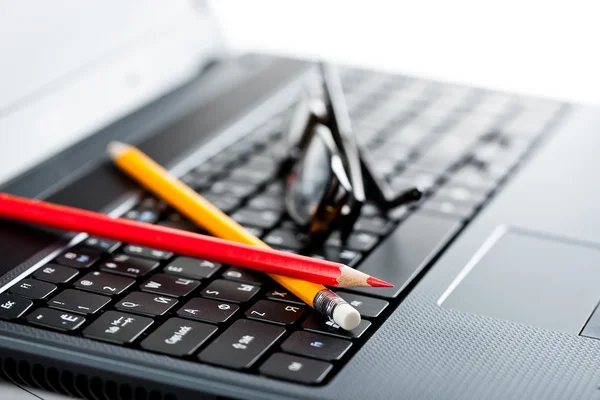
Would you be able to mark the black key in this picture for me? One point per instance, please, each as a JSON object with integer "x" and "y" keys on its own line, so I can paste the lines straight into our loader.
{"x": 313, "y": 345}
{"x": 275, "y": 312}
{"x": 176, "y": 221}
{"x": 146, "y": 303}
{"x": 55, "y": 319}
{"x": 153, "y": 203}
{"x": 117, "y": 327}
{"x": 230, "y": 291}
{"x": 344, "y": 256}
{"x": 369, "y": 210}
{"x": 426, "y": 180}
{"x": 228, "y": 187}
{"x": 33, "y": 289}
{"x": 407, "y": 251}
{"x": 169, "y": 285}
{"x": 316, "y": 323}
{"x": 227, "y": 204}
{"x": 198, "y": 182}
{"x": 129, "y": 266}
{"x": 474, "y": 178}
{"x": 178, "y": 337}
{"x": 13, "y": 307}
{"x": 376, "y": 226}
{"x": 55, "y": 273}
{"x": 260, "y": 219}
{"x": 100, "y": 282}
{"x": 281, "y": 294}
{"x": 146, "y": 252}
{"x": 358, "y": 241}
{"x": 255, "y": 231}
{"x": 267, "y": 202}
{"x": 447, "y": 208}
{"x": 284, "y": 238}
{"x": 208, "y": 310}
{"x": 246, "y": 275}
{"x": 295, "y": 368}
{"x": 459, "y": 195}
{"x": 147, "y": 215}
{"x": 212, "y": 168}
{"x": 78, "y": 302}
{"x": 242, "y": 344}
{"x": 193, "y": 268}
{"x": 256, "y": 177}
{"x": 78, "y": 257}
{"x": 105, "y": 245}
{"x": 368, "y": 307}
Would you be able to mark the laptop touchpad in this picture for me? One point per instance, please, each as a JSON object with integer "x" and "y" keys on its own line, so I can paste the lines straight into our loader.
{"x": 530, "y": 278}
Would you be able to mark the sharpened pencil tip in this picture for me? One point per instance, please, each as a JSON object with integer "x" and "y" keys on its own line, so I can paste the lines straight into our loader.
{"x": 115, "y": 149}
{"x": 375, "y": 282}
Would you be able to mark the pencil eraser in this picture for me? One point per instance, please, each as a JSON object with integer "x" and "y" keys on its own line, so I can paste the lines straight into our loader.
{"x": 346, "y": 316}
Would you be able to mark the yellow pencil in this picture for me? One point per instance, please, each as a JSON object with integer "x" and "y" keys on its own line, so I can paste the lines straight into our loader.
{"x": 155, "y": 178}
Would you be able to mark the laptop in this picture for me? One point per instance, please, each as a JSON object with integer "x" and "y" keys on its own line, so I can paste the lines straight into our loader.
{"x": 495, "y": 271}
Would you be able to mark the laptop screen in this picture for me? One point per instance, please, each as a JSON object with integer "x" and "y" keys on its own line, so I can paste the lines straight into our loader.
{"x": 70, "y": 68}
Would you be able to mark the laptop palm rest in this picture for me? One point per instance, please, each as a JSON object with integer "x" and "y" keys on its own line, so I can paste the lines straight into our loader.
{"x": 529, "y": 278}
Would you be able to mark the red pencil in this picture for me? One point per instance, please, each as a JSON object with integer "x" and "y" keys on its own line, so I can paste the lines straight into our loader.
{"x": 190, "y": 244}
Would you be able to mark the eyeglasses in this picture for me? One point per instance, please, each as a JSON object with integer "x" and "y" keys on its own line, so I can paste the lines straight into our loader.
{"x": 328, "y": 179}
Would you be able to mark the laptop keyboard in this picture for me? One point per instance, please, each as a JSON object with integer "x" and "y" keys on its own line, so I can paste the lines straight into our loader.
{"x": 459, "y": 144}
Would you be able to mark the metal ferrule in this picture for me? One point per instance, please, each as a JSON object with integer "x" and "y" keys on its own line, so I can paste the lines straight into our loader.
{"x": 326, "y": 301}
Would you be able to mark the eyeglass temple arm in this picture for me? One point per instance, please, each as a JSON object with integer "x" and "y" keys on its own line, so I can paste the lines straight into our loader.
{"x": 382, "y": 194}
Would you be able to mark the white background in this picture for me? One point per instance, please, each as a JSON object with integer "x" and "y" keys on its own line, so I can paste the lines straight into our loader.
{"x": 549, "y": 48}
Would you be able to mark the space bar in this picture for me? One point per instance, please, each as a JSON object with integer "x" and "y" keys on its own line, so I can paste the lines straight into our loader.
{"x": 407, "y": 251}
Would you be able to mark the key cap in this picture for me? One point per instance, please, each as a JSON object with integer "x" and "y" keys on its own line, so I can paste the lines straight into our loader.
{"x": 295, "y": 368}
{"x": 146, "y": 303}
{"x": 474, "y": 178}
{"x": 147, "y": 215}
{"x": 193, "y": 268}
{"x": 55, "y": 273}
{"x": 227, "y": 204}
{"x": 13, "y": 307}
{"x": 198, "y": 182}
{"x": 242, "y": 344}
{"x": 146, "y": 252}
{"x": 228, "y": 187}
{"x": 348, "y": 257}
{"x": 78, "y": 257}
{"x": 368, "y": 307}
{"x": 424, "y": 179}
{"x": 128, "y": 266}
{"x": 316, "y": 323}
{"x": 105, "y": 245}
{"x": 284, "y": 238}
{"x": 460, "y": 195}
{"x": 207, "y": 310}
{"x": 117, "y": 327}
{"x": 447, "y": 208}
{"x": 246, "y": 276}
{"x": 267, "y": 202}
{"x": 369, "y": 210}
{"x": 376, "y": 226}
{"x": 357, "y": 241}
{"x": 281, "y": 294}
{"x": 313, "y": 345}
{"x": 230, "y": 291}
{"x": 153, "y": 203}
{"x": 78, "y": 302}
{"x": 260, "y": 219}
{"x": 55, "y": 319}
{"x": 178, "y": 337}
{"x": 255, "y": 177}
{"x": 275, "y": 312}
{"x": 407, "y": 251}
{"x": 176, "y": 221}
{"x": 100, "y": 282}
{"x": 33, "y": 289}
{"x": 169, "y": 285}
